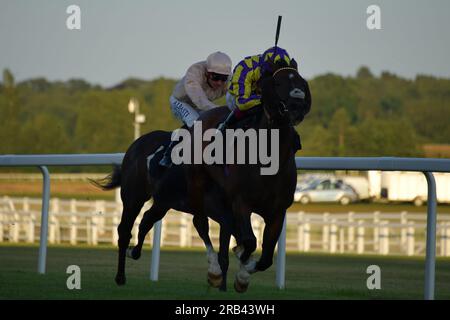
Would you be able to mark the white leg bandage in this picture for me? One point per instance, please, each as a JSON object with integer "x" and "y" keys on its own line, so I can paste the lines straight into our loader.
{"x": 250, "y": 264}
{"x": 213, "y": 261}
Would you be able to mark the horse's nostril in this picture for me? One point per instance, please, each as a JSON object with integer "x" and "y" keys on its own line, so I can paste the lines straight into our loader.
{"x": 297, "y": 93}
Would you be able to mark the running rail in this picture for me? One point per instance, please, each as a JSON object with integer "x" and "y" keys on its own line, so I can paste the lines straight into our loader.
{"x": 427, "y": 166}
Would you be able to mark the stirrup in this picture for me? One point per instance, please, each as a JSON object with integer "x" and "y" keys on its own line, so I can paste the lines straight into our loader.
{"x": 165, "y": 161}
{"x": 221, "y": 128}
{"x": 230, "y": 120}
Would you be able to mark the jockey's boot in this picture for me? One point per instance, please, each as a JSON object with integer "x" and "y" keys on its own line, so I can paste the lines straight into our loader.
{"x": 230, "y": 120}
{"x": 166, "y": 160}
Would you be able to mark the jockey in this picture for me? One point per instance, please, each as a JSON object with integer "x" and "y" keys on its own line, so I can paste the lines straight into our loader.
{"x": 243, "y": 89}
{"x": 204, "y": 82}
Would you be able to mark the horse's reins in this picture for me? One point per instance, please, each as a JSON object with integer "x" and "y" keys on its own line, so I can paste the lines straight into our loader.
{"x": 285, "y": 109}
{"x": 284, "y": 68}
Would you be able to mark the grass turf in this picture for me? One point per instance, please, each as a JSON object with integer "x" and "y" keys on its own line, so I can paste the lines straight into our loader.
{"x": 183, "y": 276}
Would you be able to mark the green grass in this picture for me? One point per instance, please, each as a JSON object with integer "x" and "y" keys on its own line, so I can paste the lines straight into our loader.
{"x": 183, "y": 276}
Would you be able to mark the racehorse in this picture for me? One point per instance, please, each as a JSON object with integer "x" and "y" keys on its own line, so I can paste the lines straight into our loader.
{"x": 168, "y": 190}
{"x": 223, "y": 194}
{"x": 285, "y": 100}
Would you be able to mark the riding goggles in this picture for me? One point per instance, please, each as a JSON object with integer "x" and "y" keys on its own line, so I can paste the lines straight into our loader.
{"x": 218, "y": 77}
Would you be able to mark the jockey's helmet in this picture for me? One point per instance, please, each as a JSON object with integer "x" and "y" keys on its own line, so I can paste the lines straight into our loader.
{"x": 280, "y": 54}
{"x": 219, "y": 62}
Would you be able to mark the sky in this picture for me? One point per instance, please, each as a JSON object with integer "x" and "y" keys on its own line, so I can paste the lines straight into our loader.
{"x": 149, "y": 39}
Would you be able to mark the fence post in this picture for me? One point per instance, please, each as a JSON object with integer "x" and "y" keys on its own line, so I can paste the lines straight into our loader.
{"x": 376, "y": 231}
{"x": 410, "y": 243}
{"x": 73, "y": 206}
{"x": 100, "y": 210}
{"x": 26, "y": 204}
{"x": 404, "y": 229}
{"x": 54, "y": 209}
{"x": 360, "y": 236}
{"x": 164, "y": 227}
{"x": 42, "y": 258}
{"x": 300, "y": 228}
{"x": 189, "y": 232}
{"x": 307, "y": 235}
{"x": 183, "y": 231}
{"x": 115, "y": 224}
{"x": 154, "y": 269}
{"x": 31, "y": 224}
{"x": 94, "y": 227}
{"x": 280, "y": 272}
{"x": 10, "y": 204}
{"x": 341, "y": 239}
{"x": 351, "y": 231}
{"x": 325, "y": 231}
{"x": 333, "y": 236}
{"x": 73, "y": 229}
{"x": 52, "y": 229}
{"x": 88, "y": 231}
{"x": 15, "y": 228}
{"x": 384, "y": 238}
{"x": 54, "y": 203}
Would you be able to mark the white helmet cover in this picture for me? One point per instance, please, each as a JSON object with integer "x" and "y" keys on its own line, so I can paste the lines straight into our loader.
{"x": 219, "y": 62}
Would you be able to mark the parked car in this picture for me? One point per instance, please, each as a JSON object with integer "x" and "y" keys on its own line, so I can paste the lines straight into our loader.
{"x": 326, "y": 191}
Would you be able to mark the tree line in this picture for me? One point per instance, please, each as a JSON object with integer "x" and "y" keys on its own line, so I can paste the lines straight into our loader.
{"x": 361, "y": 115}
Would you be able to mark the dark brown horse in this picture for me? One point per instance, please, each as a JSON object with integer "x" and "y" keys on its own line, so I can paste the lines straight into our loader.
{"x": 286, "y": 100}
{"x": 168, "y": 188}
{"x": 227, "y": 194}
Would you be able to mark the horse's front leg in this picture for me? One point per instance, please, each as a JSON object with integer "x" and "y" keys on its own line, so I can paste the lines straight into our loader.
{"x": 214, "y": 271}
{"x": 225, "y": 235}
{"x": 244, "y": 250}
{"x": 272, "y": 232}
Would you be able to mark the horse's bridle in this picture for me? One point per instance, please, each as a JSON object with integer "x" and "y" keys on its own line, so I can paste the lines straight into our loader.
{"x": 284, "y": 68}
{"x": 294, "y": 93}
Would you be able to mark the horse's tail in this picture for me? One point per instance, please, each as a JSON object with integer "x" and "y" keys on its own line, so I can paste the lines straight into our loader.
{"x": 111, "y": 181}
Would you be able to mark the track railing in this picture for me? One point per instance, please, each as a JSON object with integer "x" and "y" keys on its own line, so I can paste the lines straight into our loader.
{"x": 427, "y": 166}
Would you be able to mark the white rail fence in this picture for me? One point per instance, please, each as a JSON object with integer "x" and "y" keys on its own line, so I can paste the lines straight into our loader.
{"x": 95, "y": 222}
{"x": 426, "y": 166}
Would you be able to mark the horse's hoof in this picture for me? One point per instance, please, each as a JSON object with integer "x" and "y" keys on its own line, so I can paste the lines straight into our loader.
{"x": 240, "y": 287}
{"x": 120, "y": 280}
{"x": 214, "y": 280}
{"x": 133, "y": 253}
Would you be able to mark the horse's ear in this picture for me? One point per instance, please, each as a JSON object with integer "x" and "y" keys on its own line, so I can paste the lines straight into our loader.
{"x": 294, "y": 64}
